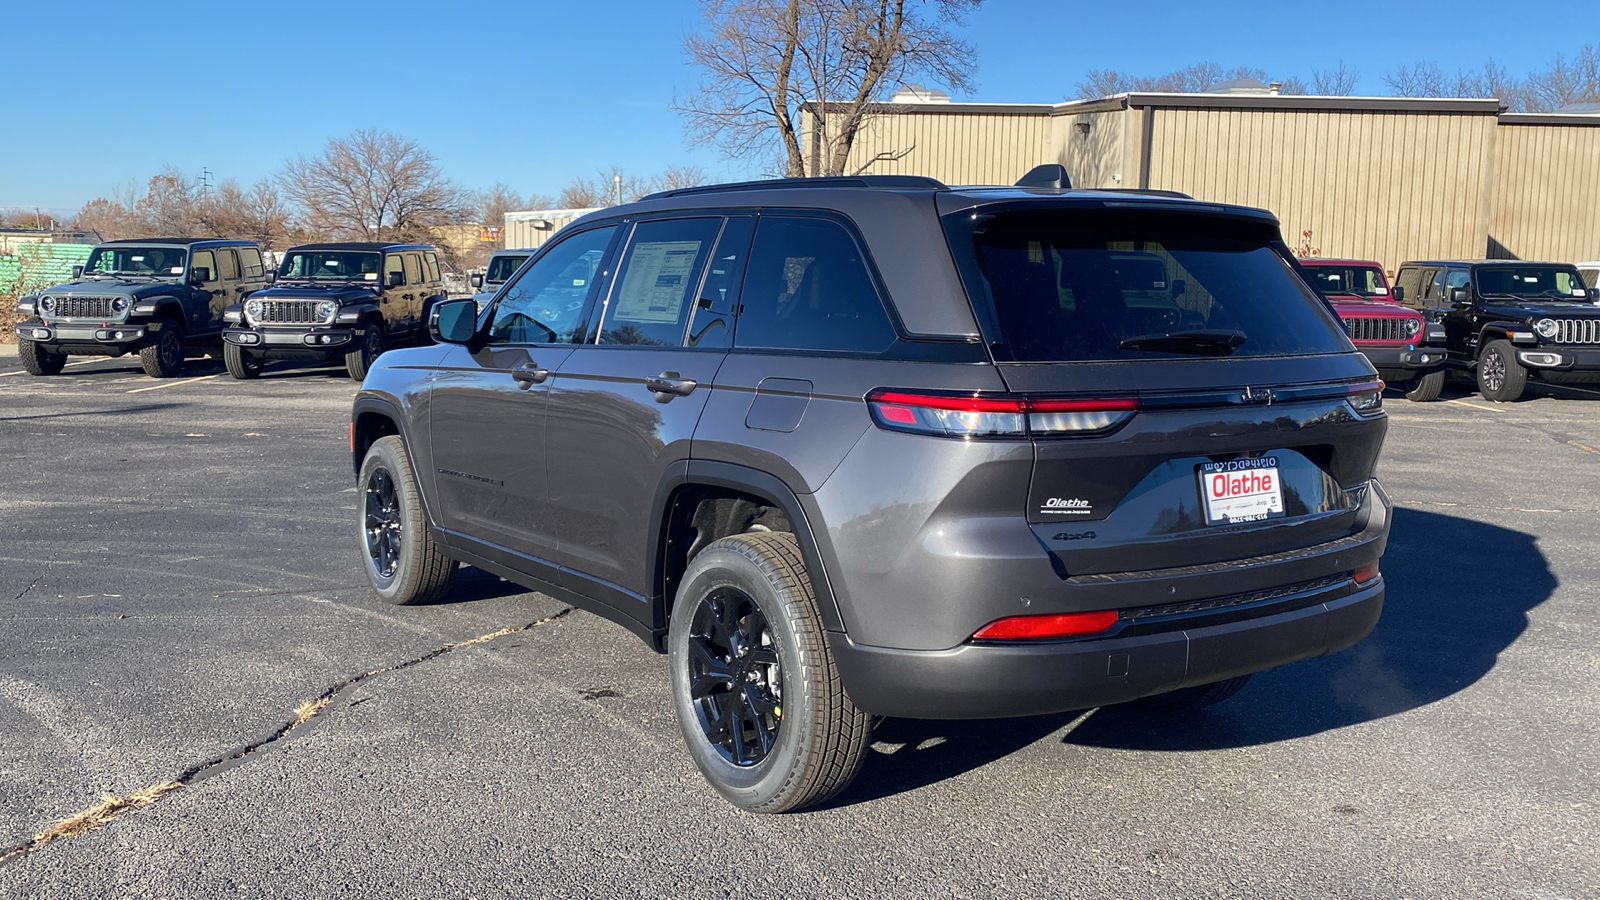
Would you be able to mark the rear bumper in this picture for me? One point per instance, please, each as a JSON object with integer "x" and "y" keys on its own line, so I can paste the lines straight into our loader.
{"x": 977, "y": 681}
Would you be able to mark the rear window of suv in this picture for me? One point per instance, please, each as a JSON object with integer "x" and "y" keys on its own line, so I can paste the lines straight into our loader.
{"x": 1080, "y": 285}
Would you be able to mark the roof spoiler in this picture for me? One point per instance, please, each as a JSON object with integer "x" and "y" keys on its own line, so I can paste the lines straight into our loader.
{"x": 1049, "y": 175}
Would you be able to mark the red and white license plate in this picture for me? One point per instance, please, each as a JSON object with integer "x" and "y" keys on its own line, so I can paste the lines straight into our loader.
{"x": 1240, "y": 490}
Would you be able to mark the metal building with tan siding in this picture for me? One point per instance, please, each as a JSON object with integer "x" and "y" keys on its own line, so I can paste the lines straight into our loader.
{"x": 1382, "y": 178}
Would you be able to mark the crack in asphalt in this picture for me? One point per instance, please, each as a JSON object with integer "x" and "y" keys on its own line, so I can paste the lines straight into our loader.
{"x": 111, "y": 806}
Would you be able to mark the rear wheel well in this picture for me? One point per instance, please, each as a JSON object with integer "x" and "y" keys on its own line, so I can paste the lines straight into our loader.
{"x": 700, "y": 514}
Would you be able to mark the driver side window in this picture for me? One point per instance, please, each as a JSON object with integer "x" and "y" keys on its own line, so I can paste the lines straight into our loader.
{"x": 545, "y": 304}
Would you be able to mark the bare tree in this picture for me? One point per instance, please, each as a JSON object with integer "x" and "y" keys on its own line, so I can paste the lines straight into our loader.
{"x": 1575, "y": 81}
{"x": 259, "y": 214}
{"x": 1425, "y": 79}
{"x": 372, "y": 185}
{"x": 765, "y": 63}
{"x": 584, "y": 193}
{"x": 1340, "y": 82}
{"x": 169, "y": 205}
{"x": 1193, "y": 79}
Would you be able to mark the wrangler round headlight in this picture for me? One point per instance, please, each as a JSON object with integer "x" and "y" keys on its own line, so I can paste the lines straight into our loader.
{"x": 326, "y": 310}
{"x": 47, "y": 304}
{"x": 1411, "y": 327}
{"x": 1546, "y": 327}
{"x": 252, "y": 310}
{"x": 119, "y": 304}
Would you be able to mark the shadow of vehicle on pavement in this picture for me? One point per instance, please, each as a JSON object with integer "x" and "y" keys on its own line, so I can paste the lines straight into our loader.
{"x": 1447, "y": 617}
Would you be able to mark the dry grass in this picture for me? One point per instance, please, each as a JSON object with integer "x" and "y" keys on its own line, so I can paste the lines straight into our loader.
{"x": 305, "y": 711}
{"x": 95, "y": 817}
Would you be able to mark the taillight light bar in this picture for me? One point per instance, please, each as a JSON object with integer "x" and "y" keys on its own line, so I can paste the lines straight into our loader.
{"x": 980, "y": 415}
{"x": 1045, "y": 627}
{"x": 1367, "y": 397}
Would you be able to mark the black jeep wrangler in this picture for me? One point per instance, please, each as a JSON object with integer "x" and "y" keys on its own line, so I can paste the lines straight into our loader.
{"x": 1507, "y": 321}
{"x": 347, "y": 300}
{"x": 162, "y": 298}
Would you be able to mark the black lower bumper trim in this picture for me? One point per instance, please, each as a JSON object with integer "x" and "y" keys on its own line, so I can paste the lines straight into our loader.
{"x": 981, "y": 681}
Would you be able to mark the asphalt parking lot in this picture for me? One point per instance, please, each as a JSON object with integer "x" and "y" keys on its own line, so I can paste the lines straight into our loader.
{"x": 178, "y": 576}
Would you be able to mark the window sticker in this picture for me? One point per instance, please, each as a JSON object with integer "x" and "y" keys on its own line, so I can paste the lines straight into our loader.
{"x": 657, "y": 281}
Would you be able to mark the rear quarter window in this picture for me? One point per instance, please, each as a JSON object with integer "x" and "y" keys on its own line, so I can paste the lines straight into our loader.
{"x": 1081, "y": 285}
{"x": 807, "y": 287}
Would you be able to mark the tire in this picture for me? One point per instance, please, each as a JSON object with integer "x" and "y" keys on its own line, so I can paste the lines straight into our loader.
{"x": 241, "y": 363}
{"x": 163, "y": 358}
{"x": 1424, "y": 388}
{"x": 37, "y": 360}
{"x": 398, "y": 552}
{"x": 359, "y": 361}
{"x": 746, "y": 639}
{"x": 1192, "y": 697}
{"x": 1500, "y": 377}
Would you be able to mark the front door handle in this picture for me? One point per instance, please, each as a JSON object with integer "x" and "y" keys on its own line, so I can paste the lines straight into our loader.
{"x": 671, "y": 383}
{"x": 529, "y": 374}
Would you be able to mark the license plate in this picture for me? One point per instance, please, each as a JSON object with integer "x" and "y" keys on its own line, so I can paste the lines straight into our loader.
{"x": 1240, "y": 490}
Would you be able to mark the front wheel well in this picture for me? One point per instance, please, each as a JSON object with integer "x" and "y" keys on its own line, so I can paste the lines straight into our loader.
{"x": 365, "y": 430}
{"x": 700, "y": 514}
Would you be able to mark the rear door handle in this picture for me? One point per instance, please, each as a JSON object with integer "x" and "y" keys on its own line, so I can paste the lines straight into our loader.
{"x": 671, "y": 383}
{"x": 529, "y": 374}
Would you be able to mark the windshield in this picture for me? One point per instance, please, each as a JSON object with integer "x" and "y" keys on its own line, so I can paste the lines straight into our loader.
{"x": 1078, "y": 286}
{"x": 502, "y": 268}
{"x": 1362, "y": 281}
{"x": 331, "y": 265}
{"x": 159, "y": 262}
{"x": 1532, "y": 283}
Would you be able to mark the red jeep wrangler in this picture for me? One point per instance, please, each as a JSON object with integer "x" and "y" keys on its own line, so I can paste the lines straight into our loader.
{"x": 1407, "y": 350}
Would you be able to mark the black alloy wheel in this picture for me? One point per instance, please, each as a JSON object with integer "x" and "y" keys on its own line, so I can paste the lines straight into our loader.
{"x": 383, "y": 526}
{"x": 163, "y": 356}
{"x": 735, "y": 677}
{"x": 358, "y": 361}
{"x": 403, "y": 563}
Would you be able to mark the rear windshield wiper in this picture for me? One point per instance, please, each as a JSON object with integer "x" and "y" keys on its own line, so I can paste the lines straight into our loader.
{"x": 1200, "y": 341}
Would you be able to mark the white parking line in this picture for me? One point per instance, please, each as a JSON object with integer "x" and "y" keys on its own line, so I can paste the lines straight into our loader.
{"x": 81, "y": 363}
{"x": 167, "y": 384}
{"x": 1494, "y": 409}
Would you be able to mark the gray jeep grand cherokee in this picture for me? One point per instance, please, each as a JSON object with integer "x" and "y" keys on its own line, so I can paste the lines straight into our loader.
{"x": 858, "y": 447}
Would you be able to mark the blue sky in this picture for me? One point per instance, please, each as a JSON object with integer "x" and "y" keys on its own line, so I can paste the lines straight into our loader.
{"x": 534, "y": 93}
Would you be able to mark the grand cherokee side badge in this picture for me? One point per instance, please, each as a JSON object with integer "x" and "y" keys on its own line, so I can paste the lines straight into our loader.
{"x": 1258, "y": 396}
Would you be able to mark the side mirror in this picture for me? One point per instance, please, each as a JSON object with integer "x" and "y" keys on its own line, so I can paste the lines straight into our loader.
{"x": 454, "y": 321}
{"x": 1458, "y": 297}
{"x": 77, "y": 272}
{"x": 397, "y": 279}
{"x": 476, "y": 280}
{"x": 1398, "y": 293}
{"x": 1594, "y": 294}
{"x": 199, "y": 275}
{"x": 1179, "y": 288}
{"x": 272, "y": 276}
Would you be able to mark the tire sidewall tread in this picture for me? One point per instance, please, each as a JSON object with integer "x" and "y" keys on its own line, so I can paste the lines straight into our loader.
{"x": 824, "y": 737}
{"x": 423, "y": 574}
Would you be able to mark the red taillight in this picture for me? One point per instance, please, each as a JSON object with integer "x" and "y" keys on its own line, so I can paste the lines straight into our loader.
{"x": 976, "y": 415}
{"x": 1033, "y": 628}
{"x": 1366, "y": 573}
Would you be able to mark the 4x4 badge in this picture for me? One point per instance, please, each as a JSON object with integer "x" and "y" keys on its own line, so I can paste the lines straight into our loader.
{"x": 1261, "y": 396}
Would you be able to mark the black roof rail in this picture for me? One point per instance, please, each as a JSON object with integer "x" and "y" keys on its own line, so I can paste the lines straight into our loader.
{"x": 891, "y": 182}
{"x": 1149, "y": 192}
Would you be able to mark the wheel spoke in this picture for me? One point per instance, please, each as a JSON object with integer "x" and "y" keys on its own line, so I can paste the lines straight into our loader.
{"x": 752, "y": 703}
{"x": 765, "y": 655}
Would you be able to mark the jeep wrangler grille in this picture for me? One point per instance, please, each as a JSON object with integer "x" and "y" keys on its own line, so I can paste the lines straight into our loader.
{"x": 1577, "y": 331}
{"x": 1381, "y": 328}
{"x": 289, "y": 312}
{"x": 83, "y": 308}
